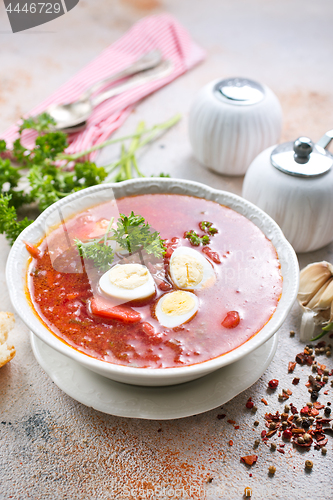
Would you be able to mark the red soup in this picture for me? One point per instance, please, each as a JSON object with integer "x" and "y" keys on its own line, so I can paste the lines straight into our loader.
{"x": 236, "y": 304}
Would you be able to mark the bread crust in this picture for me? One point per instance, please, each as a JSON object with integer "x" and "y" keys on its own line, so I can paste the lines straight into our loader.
{"x": 7, "y": 351}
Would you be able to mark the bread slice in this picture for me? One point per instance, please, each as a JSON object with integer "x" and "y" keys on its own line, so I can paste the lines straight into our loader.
{"x": 7, "y": 352}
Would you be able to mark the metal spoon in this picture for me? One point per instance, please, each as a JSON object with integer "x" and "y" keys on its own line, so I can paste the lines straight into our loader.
{"x": 72, "y": 117}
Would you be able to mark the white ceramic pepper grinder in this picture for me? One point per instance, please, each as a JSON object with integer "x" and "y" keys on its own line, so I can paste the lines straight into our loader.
{"x": 231, "y": 121}
{"x": 293, "y": 183}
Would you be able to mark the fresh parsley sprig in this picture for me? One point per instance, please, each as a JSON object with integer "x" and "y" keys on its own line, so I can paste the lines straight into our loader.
{"x": 8, "y": 220}
{"x": 133, "y": 234}
{"x": 54, "y": 174}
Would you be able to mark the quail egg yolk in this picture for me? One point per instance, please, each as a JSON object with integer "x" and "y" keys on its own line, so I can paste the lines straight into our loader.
{"x": 127, "y": 282}
{"x": 175, "y": 308}
{"x": 128, "y": 276}
{"x": 190, "y": 270}
{"x": 187, "y": 270}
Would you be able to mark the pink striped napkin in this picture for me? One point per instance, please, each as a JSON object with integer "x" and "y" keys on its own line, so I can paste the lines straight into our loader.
{"x": 155, "y": 32}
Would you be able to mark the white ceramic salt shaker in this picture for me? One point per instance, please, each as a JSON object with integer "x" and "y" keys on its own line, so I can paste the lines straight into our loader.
{"x": 231, "y": 121}
{"x": 293, "y": 183}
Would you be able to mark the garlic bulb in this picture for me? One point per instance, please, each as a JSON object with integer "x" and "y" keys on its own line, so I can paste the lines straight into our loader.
{"x": 315, "y": 297}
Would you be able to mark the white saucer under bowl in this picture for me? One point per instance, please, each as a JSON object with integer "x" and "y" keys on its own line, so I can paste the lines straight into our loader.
{"x": 155, "y": 403}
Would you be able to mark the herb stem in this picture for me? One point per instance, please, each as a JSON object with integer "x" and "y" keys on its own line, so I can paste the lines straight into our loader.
{"x": 108, "y": 230}
{"x": 109, "y": 142}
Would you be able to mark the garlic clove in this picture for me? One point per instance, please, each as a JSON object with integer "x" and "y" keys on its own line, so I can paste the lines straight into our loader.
{"x": 323, "y": 298}
{"x": 312, "y": 278}
{"x": 308, "y": 326}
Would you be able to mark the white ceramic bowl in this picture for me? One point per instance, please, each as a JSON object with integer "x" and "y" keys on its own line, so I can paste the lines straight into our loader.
{"x": 17, "y": 267}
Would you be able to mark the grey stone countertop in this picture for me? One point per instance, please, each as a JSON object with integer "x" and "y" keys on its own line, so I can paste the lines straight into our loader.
{"x": 52, "y": 447}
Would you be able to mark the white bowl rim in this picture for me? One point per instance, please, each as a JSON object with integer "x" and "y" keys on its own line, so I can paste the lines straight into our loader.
{"x": 17, "y": 265}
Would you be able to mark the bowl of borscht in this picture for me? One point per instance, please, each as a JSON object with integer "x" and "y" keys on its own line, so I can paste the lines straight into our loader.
{"x": 153, "y": 281}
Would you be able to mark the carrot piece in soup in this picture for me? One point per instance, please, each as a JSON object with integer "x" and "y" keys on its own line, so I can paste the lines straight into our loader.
{"x": 102, "y": 307}
{"x": 34, "y": 251}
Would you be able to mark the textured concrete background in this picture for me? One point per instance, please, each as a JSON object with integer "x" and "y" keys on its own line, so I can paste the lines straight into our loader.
{"x": 52, "y": 447}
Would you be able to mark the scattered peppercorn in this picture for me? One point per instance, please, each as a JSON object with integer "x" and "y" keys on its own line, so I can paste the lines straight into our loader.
{"x": 325, "y": 379}
{"x": 314, "y": 368}
{"x": 308, "y": 464}
{"x": 300, "y": 440}
{"x": 324, "y": 450}
{"x": 322, "y": 350}
{"x": 272, "y": 425}
{"x": 292, "y": 333}
{"x": 318, "y": 377}
{"x": 272, "y": 384}
{"x": 287, "y": 408}
{"x": 272, "y": 469}
{"x": 256, "y": 443}
{"x": 328, "y": 354}
{"x": 287, "y": 434}
{"x": 249, "y": 404}
{"x": 314, "y": 395}
{"x": 307, "y": 437}
{"x": 273, "y": 446}
{"x": 254, "y": 409}
{"x": 327, "y": 410}
{"x": 295, "y": 381}
{"x": 256, "y": 423}
{"x": 306, "y": 423}
{"x": 317, "y": 352}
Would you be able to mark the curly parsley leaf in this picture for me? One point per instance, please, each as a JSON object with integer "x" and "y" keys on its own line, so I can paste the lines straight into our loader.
{"x": 40, "y": 123}
{"x": 195, "y": 239}
{"x": 8, "y": 220}
{"x": 207, "y": 227}
{"x": 100, "y": 254}
{"x": 48, "y": 146}
{"x": 50, "y": 183}
{"x": 3, "y": 146}
{"x": 134, "y": 234}
{"x": 9, "y": 179}
{"x": 88, "y": 174}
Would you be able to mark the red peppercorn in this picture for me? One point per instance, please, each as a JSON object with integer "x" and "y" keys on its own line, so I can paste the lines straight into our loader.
{"x": 272, "y": 384}
{"x": 287, "y": 434}
{"x": 249, "y": 404}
